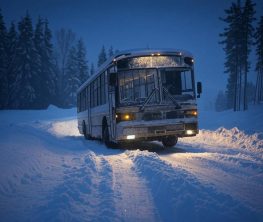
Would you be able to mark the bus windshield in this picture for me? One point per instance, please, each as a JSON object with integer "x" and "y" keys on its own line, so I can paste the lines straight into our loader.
{"x": 178, "y": 83}
{"x": 135, "y": 86}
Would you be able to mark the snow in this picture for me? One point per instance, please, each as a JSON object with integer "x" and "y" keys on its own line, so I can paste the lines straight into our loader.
{"x": 49, "y": 172}
{"x": 249, "y": 121}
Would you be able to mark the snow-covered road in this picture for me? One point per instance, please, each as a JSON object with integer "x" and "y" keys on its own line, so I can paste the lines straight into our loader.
{"x": 50, "y": 173}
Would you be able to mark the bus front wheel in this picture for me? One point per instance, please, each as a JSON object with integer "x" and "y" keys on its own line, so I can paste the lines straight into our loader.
{"x": 169, "y": 141}
{"x": 106, "y": 137}
{"x": 84, "y": 130}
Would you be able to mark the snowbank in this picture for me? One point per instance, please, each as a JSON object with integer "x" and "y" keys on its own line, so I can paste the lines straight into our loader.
{"x": 230, "y": 138}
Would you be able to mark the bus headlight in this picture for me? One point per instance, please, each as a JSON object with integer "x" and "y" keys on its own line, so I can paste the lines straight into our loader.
{"x": 124, "y": 117}
{"x": 191, "y": 112}
{"x": 189, "y": 132}
{"x": 130, "y": 137}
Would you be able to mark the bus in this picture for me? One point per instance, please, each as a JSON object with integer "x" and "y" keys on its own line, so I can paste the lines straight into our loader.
{"x": 140, "y": 95}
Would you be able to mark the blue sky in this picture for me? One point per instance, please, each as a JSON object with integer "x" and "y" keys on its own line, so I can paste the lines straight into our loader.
{"x": 186, "y": 24}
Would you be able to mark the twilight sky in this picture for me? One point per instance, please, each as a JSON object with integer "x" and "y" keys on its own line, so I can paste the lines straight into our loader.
{"x": 192, "y": 25}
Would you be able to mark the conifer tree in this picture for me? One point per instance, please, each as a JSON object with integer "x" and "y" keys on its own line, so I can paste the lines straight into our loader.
{"x": 237, "y": 41}
{"x": 82, "y": 62}
{"x": 231, "y": 42}
{"x": 251, "y": 91}
{"x": 259, "y": 64}
{"x": 72, "y": 82}
{"x": 46, "y": 93}
{"x": 220, "y": 103}
{"x": 92, "y": 69}
{"x": 49, "y": 68}
{"x": 65, "y": 39}
{"x": 110, "y": 53}
{"x": 247, "y": 37}
{"x": 102, "y": 56}
{"x": 38, "y": 39}
{"x": 27, "y": 78}
{"x": 11, "y": 61}
{"x": 3, "y": 67}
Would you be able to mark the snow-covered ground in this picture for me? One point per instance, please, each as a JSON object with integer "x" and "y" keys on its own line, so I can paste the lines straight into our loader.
{"x": 50, "y": 173}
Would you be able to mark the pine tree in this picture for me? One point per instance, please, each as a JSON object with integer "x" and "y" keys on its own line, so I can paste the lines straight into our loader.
{"x": 110, "y": 53}
{"x": 46, "y": 93}
{"x": 3, "y": 67}
{"x": 231, "y": 44}
{"x": 11, "y": 61}
{"x": 65, "y": 40}
{"x": 237, "y": 46}
{"x": 247, "y": 37}
{"x": 82, "y": 62}
{"x": 38, "y": 39}
{"x": 72, "y": 82}
{"x": 26, "y": 82}
{"x": 251, "y": 91}
{"x": 49, "y": 68}
{"x": 92, "y": 69}
{"x": 102, "y": 56}
{"x": 221, "y": 102}
{"x": 259, "y": 64}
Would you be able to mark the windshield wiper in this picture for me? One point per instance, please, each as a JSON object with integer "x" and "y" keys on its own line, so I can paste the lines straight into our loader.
{"x": 148, "y": 99}
{"x": 172, "y": 98}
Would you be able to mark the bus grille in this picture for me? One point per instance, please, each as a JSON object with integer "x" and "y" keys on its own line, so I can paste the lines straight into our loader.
{"x": 166, "y": 129}
{"x": 174, "y": 115}
{"x": 159, "y": 116}
{"x": 152, "y": 116}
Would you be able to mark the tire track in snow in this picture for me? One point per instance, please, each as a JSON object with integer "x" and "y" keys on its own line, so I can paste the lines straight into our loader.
{"x": 229, "y": 174}
{"x": 132, "y": 198}
{"x": 81, "y": 193}
{"x": 181, "y": 196}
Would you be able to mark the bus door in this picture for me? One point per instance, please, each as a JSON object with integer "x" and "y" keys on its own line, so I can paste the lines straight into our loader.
{"x": 112, "y": 105}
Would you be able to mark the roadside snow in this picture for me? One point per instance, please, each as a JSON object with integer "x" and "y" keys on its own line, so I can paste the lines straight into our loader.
{"x": 64, "y": 128}
{"x": 49, "y": 172}
{"x": 232, "y": 138}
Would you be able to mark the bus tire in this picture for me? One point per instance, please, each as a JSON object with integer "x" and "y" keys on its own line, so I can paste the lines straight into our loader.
{"x": 106, "y": 136}
{"x": 84, "y": 130}
{"x": 169, "y": 141}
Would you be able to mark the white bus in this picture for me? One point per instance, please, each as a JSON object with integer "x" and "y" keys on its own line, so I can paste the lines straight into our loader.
{"x": 142, "y": 95}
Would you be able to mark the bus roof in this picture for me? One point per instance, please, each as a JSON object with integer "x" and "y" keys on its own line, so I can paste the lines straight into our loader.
{"x": 133, "y": 53}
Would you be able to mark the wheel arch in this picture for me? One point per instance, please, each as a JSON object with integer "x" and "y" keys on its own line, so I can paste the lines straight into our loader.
{"x": 104, "y": 124}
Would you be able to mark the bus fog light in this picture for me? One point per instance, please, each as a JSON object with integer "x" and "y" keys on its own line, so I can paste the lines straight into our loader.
{"x": 189, "y": 132}
{"x": 130, "y": 137}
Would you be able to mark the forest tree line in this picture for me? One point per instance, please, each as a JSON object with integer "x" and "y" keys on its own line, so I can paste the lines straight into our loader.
{"x": 38, "y": 69}
{"x": 240, "y": 36}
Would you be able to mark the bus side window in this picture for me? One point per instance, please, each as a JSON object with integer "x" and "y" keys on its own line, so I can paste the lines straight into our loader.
{"x": 102, "y": 87}
{"x": 99, "y": 90}
{"x": 82, "y": 100}
{"x": 88, "y": 96}
{"x": 78, "y": 102}
{"x": 92, "y": 95}
{"x": 96, "y": 92}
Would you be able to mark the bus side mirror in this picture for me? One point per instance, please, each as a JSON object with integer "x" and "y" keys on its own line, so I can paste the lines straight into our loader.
{"x": 199, "y": 89}
{"x": 113, "y": 79}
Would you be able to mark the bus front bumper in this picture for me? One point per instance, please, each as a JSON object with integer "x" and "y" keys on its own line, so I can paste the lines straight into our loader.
{"x": 155, "y": 130}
